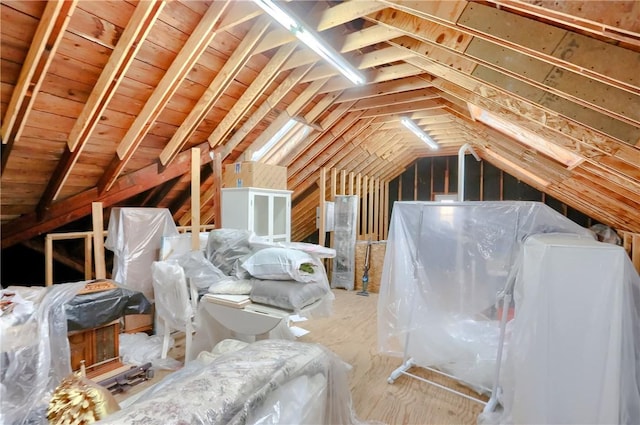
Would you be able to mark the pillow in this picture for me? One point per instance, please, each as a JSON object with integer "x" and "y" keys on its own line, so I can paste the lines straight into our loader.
{"x": 284, "y": 264}
{"x": 231, "y": 286}
{"x": 289, "y": 295}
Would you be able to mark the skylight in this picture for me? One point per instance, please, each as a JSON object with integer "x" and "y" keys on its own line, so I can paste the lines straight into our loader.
{"x": 282, "y": 142}
{"x": 526, "y": 137}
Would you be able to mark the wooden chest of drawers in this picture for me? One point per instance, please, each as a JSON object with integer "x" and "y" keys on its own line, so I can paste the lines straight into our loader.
{"x": 98, "y": 347}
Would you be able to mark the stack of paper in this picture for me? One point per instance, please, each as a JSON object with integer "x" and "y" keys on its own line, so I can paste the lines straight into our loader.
{"x": 237, "y": 301}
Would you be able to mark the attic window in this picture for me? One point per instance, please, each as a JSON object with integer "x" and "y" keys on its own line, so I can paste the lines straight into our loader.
{"x": 278, "y": 146}
{"x": 526, "y": 137}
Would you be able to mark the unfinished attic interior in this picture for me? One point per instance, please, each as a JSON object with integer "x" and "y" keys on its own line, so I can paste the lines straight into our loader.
{"x": 438, "y": 172}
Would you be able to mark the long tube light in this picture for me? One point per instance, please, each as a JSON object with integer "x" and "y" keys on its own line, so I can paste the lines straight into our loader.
{"x": 314, "y": 42}
{"x": 407, "y": 122}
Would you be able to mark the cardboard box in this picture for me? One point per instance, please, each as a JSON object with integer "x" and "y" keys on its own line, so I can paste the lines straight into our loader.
{"x": 254, "y": 174}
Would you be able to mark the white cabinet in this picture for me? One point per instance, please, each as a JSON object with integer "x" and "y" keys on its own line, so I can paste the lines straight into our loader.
{"x": 267, "y": 212}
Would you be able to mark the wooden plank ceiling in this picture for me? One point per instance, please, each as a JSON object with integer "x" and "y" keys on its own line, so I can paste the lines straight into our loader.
{"x": 103, "y": 100}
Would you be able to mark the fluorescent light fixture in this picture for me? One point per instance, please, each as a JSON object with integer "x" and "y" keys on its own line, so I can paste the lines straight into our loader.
{"x": 313, "y": 41}
{"x": 407, "y": 122}
{"x": 526, "y": 137}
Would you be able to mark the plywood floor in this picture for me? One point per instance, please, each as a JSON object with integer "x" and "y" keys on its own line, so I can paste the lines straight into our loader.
{"x": 351, "y": 333}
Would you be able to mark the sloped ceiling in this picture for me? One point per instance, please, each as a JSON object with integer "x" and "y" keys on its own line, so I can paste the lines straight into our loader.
{"x": 103, "y": 100}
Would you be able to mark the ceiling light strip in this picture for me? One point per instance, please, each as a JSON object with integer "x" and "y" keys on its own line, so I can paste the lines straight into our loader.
{"x": 313, "y": 41}
{"x": 407, "y": 122}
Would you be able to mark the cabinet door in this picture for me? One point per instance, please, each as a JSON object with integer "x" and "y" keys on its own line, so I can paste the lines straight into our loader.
{"x": 281, "y": 218}
{"x": 261, "y": 214}
{"x": 82, "y": 347}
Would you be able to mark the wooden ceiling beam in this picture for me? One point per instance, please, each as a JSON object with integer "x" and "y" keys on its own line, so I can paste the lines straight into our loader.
{"x": 533, "y": 78}
{"x": 585, "y": 117}
{"x": 306, "y": 163}
{"x": 43, "y": 47}
{"x": 212, "y": 94}
{"x": 365, "y": 61}
{"x": 334, "y": 152}
{"x": 123, "y": 55}
{"x": 561, "y": 48}
{"x": 384, "y": 88}
{"x": 379, "y": 75}
{"x": 258, "y": 86}
{"x": 404, "y": 108}
{"x": 265, "y": 107}
{"x": 78, "y": 206}
{"x": 396, "y": 98}
{"x": 192, "y": 50}
{"x": 589, "y": 198}
{"x": 327, "y": 18}
{"x": 554, "y": 128}
{"x": 324, "y": 102}
{"x": 614, "y": 20}
{"x": 347, "y": 11}
{"x": 325, "y": 125}
{"x": 291, "y": 111}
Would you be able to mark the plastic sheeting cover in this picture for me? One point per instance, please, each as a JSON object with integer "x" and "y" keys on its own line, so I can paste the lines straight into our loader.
{"x": 266, "y": 382}
{"x": 135, "y": 236}
{"x": 445, "y": 265}
{"x": 34, "y": 353}
{"x": 86, "y": 311}
{"x": 345, "y": 233}
{"x": 575, "y": 339}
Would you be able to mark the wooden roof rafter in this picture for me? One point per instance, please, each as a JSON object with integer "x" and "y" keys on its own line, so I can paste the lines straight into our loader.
{"x": 199, "y": 40}
{"x": 47, "y": 38}
{"x": 223, "y": 79}
{"x": 119, "y": 61}
{"x": 266, "y": 76}
{"x": 538, "y": 80}
{"x": 79, "y": 205}
{"x": 593, "y": 120}
{"x": 616, "y": 24}
{"x": 558, "y": 47}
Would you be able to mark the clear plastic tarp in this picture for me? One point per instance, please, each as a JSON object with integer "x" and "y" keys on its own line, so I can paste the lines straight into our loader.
{"x": 445, "y": 267}
{"x": 266, "y": 382}
{"x": 34, "y": 350}
{"x": 345, "y": 233}
{"x": 135, "y": 237}
{"x": 574, "y": 352}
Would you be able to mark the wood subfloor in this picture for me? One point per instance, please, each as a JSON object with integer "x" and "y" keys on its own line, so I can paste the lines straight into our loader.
{"x": 351, "y": 333}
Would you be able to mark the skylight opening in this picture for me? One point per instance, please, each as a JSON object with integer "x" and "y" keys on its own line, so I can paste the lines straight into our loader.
{"x": 281, "y": 144}
{"x": 526, "y": 137}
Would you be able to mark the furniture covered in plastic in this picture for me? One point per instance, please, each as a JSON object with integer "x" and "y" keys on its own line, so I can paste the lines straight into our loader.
{"x": 237, "y": 263}
{"x": 135, "y": 236}
{"x": 175, "y": 304}
{"x": 445, "y": 267}
{"x": 265, "y": 382}
{"x": 34, "y": 349}
{"x": 35, "y": 353}
{"x": 574, "y": 346}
